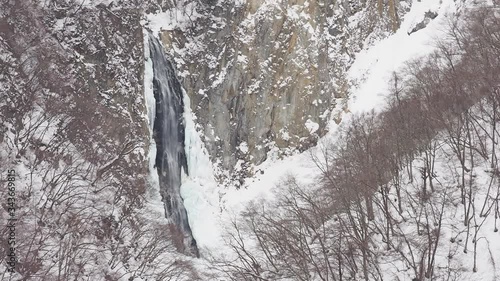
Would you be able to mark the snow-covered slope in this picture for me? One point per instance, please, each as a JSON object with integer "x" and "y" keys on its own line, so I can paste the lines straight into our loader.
{"x": 373, "y": 67}
{"x": 421, "y": 29}
{"x": 369, "y": 74}
{"x": 263, "y": 80}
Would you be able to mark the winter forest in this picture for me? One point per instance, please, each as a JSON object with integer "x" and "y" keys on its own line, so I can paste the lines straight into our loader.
{"x": 250, "y": 140}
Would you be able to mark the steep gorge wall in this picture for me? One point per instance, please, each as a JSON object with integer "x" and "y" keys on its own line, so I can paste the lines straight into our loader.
{"x": 265, "y": 76}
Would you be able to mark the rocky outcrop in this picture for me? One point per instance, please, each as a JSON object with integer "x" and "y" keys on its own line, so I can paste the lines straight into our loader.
{"x": 265, "y": 76}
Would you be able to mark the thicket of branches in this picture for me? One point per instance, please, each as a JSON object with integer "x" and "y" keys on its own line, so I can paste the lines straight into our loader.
{"x": 381, "y": 198}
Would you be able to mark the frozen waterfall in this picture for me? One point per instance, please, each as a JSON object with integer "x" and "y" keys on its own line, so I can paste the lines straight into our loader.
{"x": 169, "y": 137}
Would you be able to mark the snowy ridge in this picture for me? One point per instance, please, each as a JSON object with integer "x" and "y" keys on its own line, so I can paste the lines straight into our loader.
{"x": 374, "y": 66}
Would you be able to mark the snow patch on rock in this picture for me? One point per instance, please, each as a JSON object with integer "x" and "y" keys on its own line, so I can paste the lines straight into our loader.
{"x": 311, "y": 126}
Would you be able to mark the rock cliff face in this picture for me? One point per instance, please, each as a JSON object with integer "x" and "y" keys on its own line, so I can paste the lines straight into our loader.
{"x": 265, "y": 76}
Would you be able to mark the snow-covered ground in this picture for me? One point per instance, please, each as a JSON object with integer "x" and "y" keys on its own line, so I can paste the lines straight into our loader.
{"x": 455, "y": 252}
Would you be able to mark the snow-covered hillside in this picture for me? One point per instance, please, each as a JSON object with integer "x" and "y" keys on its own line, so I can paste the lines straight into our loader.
{"x": 369, "y": 74}
{"x": 249, "y": 140}
{"x": 423, "y": 28}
